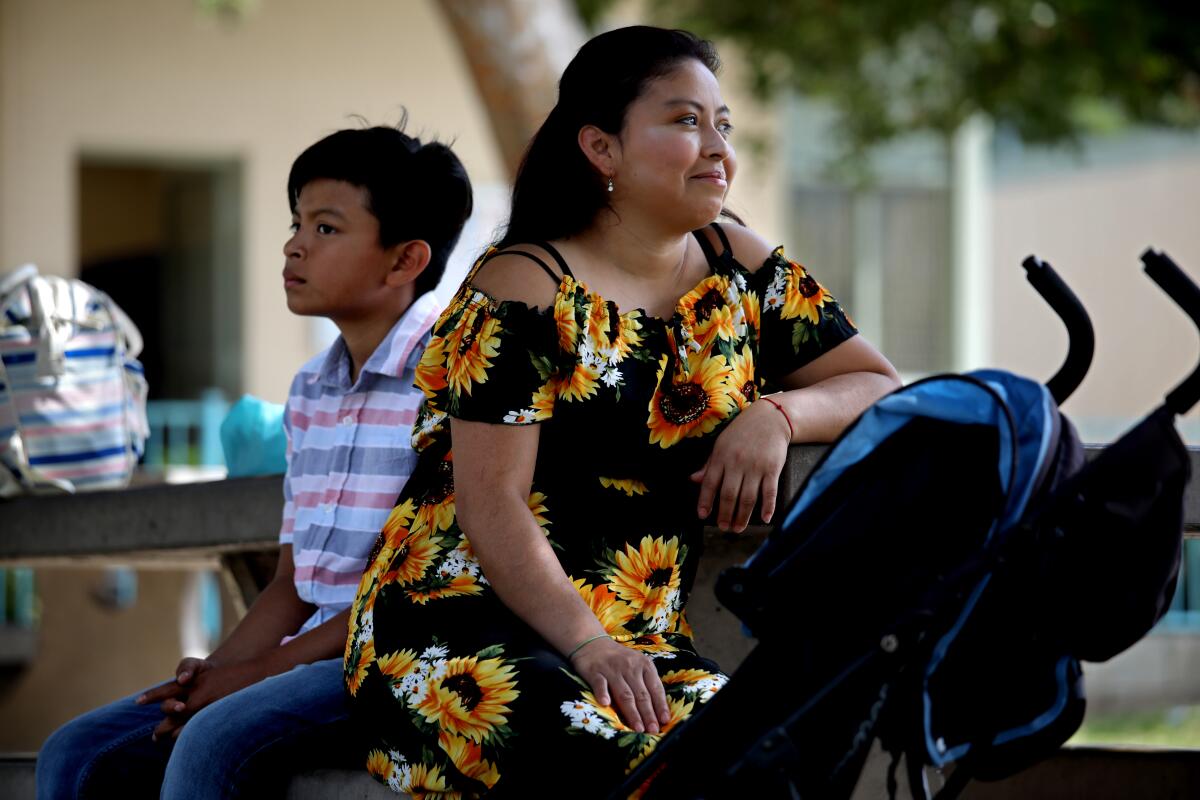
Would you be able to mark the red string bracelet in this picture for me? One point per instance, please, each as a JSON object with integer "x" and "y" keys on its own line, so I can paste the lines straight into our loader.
{"x": 791, "y": 430}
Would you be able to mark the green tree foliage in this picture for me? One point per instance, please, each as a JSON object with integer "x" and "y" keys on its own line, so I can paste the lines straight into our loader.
{"x": 1051, "y": 69}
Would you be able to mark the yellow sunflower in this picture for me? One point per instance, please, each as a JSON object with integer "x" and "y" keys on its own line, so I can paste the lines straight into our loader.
{"x": 629, "y": 335}
{"x": 804, "y": 297}
{"x": 398, "y": 664}
{"x": 395, "y": 527}
{"x": 691, "y": 407}
{"x": 580, "y": 384}
{"x": 753, "y": 311}
{"x": 629, "y": 486}
{"x": 351, "y": 638}
{"x": 647, "y": 577}
{"x": 542, "y": 403}
{"x": 564, "y": 320}
{"x": 697, "y": 304}
{"x": 600, "y": 316}
{"x": 437, "y": 505}
{"x": 467, "y": 757}
{"x": 696, "y": 683}
{"x": 462, "y": 585}
{"x": 425, "y": 781}
{"x": 682, "y": 677}
{"x": 473, "y": 341}
{"x": 366, "y": 655}
{"x": 429, "y": 422}
{"x": 471, "y": 698}
{"x": 650, "y": 644}
{"x": 680, "y": 709}
{"x": 368, "y": 592}
{"x": 537, "y": 506}
{"x": 719, "y": 325}
{"x": 706, "y": 312}
{"x": 607, "y": 713}
{"x": 431, "y": 372}
{"x": 741, "y": 377}
{"x": 412, "y": 558}
{"x": 608, "y": 608}
{"x": 379, "y": 765}
{"x": 395, "y": 531}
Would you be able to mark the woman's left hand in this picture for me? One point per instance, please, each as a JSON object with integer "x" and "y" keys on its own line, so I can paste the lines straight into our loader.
{"x": 745, "y": 462}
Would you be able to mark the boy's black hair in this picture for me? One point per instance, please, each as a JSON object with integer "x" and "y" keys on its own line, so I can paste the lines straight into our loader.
{"x": 416, "y": 190}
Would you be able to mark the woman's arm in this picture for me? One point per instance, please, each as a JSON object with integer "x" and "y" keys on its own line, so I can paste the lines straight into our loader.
{"x": 821, "y": 399}
{"x": 828, "y": 393}
{"x": 491, "y": 501}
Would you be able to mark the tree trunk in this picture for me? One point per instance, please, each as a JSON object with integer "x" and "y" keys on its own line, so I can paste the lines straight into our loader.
{"x": 516, "y": 50}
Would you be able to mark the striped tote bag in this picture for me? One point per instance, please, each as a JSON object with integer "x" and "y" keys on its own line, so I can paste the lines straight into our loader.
{"x": 72, "y": 393}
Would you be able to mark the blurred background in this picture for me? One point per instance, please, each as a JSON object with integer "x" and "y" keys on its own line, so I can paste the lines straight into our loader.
{"x": 910, "y": 153}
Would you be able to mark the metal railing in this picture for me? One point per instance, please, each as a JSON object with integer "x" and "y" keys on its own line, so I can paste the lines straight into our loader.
{"x": 186, "y": 432}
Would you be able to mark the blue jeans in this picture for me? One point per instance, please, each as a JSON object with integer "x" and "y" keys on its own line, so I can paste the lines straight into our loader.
{"x": 246, "y": 743}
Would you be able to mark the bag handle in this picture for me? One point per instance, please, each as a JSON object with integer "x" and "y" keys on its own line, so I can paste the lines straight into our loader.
{"x": 13, "y": 280}
{"x": 127, "y": 331}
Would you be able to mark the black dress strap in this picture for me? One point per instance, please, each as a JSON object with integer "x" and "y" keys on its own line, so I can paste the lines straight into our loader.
{"x": 706, "y": 246}
{"x": 724, "y": 240}
{"x": 562, "y": 262}
{"x": 545, "y": 267}
{"x": 710, "y": 255}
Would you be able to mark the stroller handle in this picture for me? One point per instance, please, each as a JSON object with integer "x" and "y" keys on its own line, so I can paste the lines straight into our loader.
{"x": 1180, "y": 288}
{"x": 1080, "y": 336}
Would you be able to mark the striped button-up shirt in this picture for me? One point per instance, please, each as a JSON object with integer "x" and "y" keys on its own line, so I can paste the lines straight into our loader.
{"x": 349, "y": 455}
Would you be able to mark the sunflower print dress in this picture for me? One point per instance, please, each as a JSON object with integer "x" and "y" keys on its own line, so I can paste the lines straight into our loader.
{"x": 455, "y": 694}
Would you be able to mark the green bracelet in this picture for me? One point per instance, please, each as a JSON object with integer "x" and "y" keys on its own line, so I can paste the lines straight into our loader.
{"x": 587, "y": 641}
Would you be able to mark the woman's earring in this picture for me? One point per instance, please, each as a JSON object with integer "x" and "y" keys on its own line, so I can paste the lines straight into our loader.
{"x": 610, "y": 186}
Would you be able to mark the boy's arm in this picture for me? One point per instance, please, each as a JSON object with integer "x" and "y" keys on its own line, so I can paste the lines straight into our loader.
{"x": 252, "y": 652}
{"x": 277, "y": 612}
{"x": 327, "y": 640}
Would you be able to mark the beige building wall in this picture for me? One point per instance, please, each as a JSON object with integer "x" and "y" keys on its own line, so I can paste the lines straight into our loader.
{"x": 1092, "y": 225}
{"x": 88, "y": 654}
{"x": 148, "y": 80}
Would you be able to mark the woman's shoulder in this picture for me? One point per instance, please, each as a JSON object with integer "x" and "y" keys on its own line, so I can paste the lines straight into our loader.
{"x": 750, "y": 250}
{"x": 523, "y": 273}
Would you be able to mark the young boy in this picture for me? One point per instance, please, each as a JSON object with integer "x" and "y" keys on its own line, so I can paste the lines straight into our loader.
{"x": 375, "y": 213}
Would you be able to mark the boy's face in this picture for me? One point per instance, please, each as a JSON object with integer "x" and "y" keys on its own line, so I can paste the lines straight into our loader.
{"x": 335, "y": 265}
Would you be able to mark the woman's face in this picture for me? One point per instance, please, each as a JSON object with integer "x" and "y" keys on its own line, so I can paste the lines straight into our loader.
{"x": 674, "y": 161}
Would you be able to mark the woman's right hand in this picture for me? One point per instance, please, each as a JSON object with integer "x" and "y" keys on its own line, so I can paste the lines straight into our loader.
{"x": 625, "y": 678}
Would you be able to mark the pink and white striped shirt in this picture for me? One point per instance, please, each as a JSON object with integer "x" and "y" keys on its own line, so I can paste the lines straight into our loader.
{"x": 349, "y": 455}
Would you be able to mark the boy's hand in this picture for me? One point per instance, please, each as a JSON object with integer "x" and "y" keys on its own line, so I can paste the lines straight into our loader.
{"x": 204, "y": 686}
{"x": 185, "y": 673}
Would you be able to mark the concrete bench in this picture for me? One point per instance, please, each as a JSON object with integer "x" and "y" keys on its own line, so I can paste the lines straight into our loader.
{"x": 17, "y": 782}
{"x": 233, "y": 524}
{"x": 1074, "y": 773}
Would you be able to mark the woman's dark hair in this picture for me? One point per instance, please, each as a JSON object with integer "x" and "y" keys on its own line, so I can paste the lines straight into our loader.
{"x": 558, "y": 192}
{"x": 415, "y": 190}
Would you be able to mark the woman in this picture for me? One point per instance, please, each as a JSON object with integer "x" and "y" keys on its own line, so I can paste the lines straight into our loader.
{"x": 599, "y": 372}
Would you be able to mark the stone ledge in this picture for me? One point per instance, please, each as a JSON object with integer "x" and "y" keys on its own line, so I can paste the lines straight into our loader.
{"x": 164, "y": 525}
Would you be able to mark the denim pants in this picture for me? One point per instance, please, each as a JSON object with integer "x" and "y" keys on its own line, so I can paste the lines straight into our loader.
{"x": 247, "y": 743}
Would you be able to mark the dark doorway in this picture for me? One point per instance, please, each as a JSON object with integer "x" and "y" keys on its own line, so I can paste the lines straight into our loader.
{"x": 164, "y": 241}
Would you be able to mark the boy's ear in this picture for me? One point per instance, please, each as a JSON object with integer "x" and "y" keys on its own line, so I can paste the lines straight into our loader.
{"x": 600, "y": 148}
{"x": 411, "y": 259}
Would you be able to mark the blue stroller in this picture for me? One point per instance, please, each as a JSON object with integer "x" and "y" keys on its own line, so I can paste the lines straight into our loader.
{"x": 935, "y": 585}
